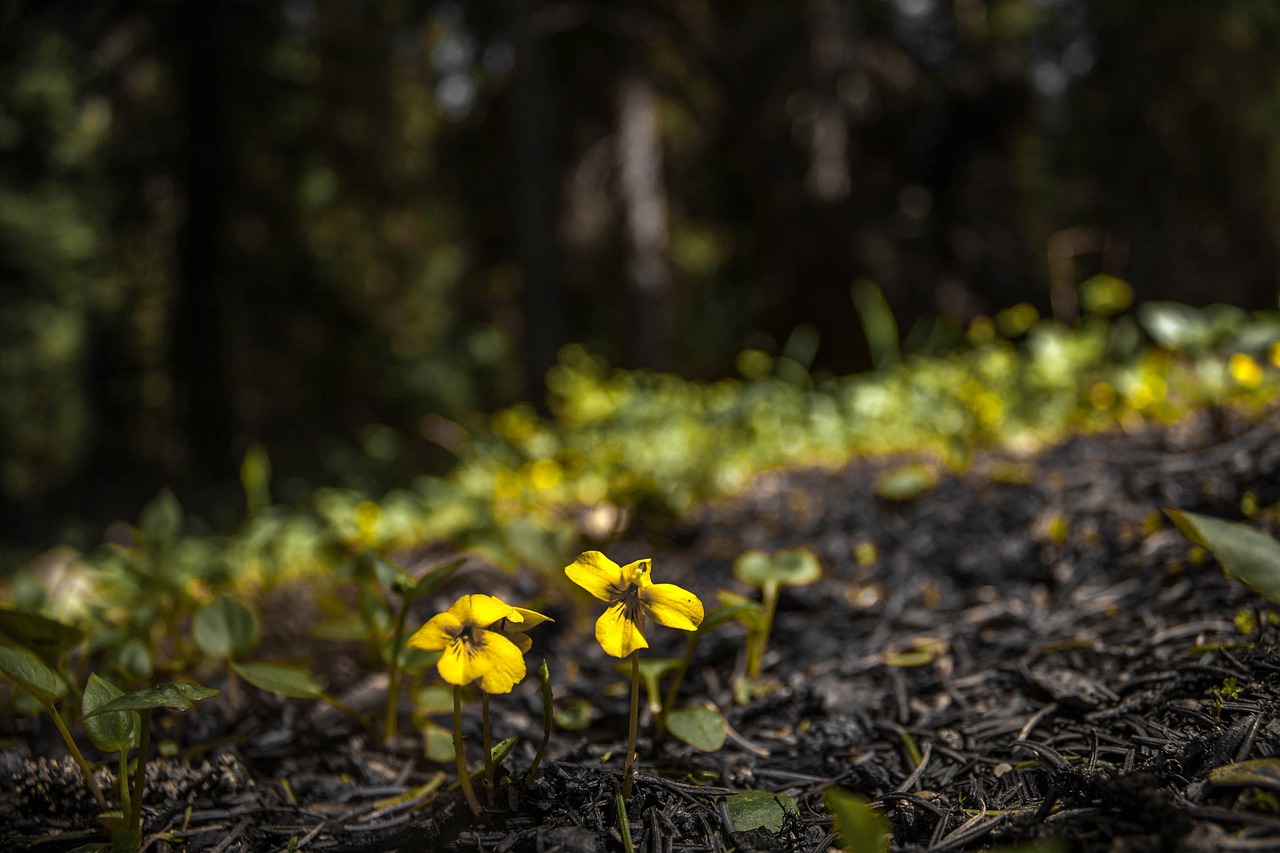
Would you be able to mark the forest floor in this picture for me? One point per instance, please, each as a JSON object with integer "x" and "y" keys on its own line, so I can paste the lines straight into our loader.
{"x": 1078, "y": 675}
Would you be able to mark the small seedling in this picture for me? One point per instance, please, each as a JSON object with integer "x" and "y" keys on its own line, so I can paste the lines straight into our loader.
{"x": 632, "y": 597}
{"x": 481, "y": 639}
{"x": 176, "y": 696}
{"x": 771, "y": 572}
{"x": 226, "y": 628}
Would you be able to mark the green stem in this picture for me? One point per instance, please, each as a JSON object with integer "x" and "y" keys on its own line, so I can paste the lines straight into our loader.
{"x": 548, "y": 718}
{"x": 488, "y": 749}
{"x": 76, "y": 754}
{"x": 140, "y": 772}
{"x": 464, "y": 777}
{"x": 624, "y": 823}
{"x": 122, "y": 780}
{"x": 393, "y": 675}
{"x": 769, "y": 601}
{"x": 629, "y": 763}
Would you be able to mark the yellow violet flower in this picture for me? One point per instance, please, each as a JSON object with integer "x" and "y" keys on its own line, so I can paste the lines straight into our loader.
{"x": 632, "y": 598}
{"x": 475, "y": 645}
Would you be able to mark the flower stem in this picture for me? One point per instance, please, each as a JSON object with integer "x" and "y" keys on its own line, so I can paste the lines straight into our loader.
{"x": 629, "y": 763}
{"x": 140, "y": 772}
{"x": 464, "y": 776}
{"x": 77, "y": 755}
{"x": 488, "y": 749}
{"x": 769, "y": 601}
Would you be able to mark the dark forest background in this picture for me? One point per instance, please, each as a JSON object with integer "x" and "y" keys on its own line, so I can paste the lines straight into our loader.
{"x": 338, "y": 229}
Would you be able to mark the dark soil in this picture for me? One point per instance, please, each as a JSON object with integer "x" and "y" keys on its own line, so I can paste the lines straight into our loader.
{"x": 1079, "y": 675}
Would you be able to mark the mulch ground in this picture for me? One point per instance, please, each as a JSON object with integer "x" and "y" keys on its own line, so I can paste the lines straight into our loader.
{"x": 1078, "y": 675}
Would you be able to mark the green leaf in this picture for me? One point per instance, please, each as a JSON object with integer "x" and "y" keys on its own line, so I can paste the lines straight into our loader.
{"x": 30, "y": 673}
{"x": 795, "y": 567}
{"x": 161, "y": 520}
{"x": 438, "y": 742}
{"x": 226, "y": 628}
{"x": 176, "y": 696}
{"x": 906, "y": 482}
{"x": 134, "y": 659}
{"x": 861, "y": 828}
{"x": 255, "y": 478}
{"x": 878, "y": 323}
{"x": 725, "y": 614}
{"x": 114, "y": 732}
{"x": 435, "y": 577}
{"x": 48, "y": 639}
{"x": 1249, "y": 554}
{"x": 1258, "y": 773}
{"x": 296, "y": 682}
{"x": 575, "y": 715}
{"x": 759, "y": 810}
{"x": 700, "y": 727}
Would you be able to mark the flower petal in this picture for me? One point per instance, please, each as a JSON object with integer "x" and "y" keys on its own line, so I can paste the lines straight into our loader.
{"x": 532, "y": 619}
{"x": 483, "y": 610}
{"x": 461, "y": 665}
{"x": 523, "y": 641}
{"x": 618, "y": 634}
{"x": 437, "y": 633}
{"x": 637, "y": 573}
{"x": 672, "y": 606}
{"x": 597, "y": 574}
{"x": 506, "y": 664}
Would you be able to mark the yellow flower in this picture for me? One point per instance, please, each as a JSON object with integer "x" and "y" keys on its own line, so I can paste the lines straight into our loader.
{"x": 632, "y": 597}
{"x": 474, "y": 644}
{"x": 514, "y": 630}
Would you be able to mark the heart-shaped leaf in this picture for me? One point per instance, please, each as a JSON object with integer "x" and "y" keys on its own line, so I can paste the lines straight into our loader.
{"x": 296, "y": 682}
{"x": 226, "y": 628}
{"x": 176, "y": 696}
{"x": 795, "y": 567}
{"x": 113, "y": 732}
{"x": 30, "y": 673}
{"x": 700, "y": 727}
{"x": 759, "y": 810}
{"x": 1249, "y": 554}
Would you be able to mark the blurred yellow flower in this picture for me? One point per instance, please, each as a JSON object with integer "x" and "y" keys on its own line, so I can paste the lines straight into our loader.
{"x": 632, "y": 597}
{"x": 1245, "y": 370}
{"x": 471, "y": 634}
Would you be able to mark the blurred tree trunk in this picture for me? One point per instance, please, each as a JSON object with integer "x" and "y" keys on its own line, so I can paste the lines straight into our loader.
{"x": 202, "y": 394}
{"x": 537, "y": 188}
{"x": 643, "y": 196}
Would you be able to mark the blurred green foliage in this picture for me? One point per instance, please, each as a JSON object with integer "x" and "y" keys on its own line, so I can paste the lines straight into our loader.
{"x": 314, "y": 228}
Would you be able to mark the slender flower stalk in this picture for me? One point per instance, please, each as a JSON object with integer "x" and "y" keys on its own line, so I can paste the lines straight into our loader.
{"x": 633, "y": 598}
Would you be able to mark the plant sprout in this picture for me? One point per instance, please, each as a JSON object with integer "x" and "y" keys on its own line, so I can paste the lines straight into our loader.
{"x": 478, "y": 643}
{"x": 771, "y": 572}
{"x": 632, "y": 598}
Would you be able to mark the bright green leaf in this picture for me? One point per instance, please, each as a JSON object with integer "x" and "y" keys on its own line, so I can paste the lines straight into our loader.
{"x": 795, "y": 567}
{"x": 176, "y": 696}
{"x": 759, "y": 810}
{"x": 226, "y": 628}
{"x": 114, "y": 732}
{"x": 861, "y": 828}
{"x": 700, "y": 727}
{"x": 296, "y": 682}
{"x": 30, "y": 673}
{"x": 1249, "y": 554}
{"x": 726, "y": 614}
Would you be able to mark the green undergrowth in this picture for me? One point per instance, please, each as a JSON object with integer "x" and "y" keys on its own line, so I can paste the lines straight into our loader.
{"x": 528, "y": 489}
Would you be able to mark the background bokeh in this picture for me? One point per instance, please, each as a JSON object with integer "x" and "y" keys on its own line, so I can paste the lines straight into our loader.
{"x": 345, "y": 231}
